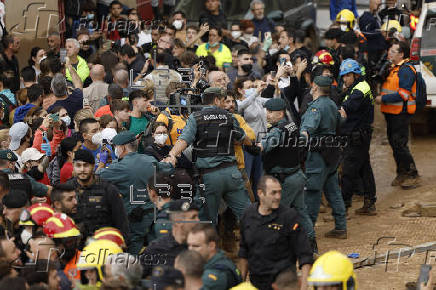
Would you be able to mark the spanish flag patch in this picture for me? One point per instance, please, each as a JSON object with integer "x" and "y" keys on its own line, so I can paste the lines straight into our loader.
{"x": 295, "y": 227}
{"x": 213, "y": 277}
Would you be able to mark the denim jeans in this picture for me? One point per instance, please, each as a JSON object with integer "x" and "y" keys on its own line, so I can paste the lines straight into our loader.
{"x": 254, "y": 169}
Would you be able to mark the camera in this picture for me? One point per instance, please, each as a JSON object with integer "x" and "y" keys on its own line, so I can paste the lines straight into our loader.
{"x": 202, "y": 84}
{"x": 182, "y": 100}
{"x": 381, "y": 69}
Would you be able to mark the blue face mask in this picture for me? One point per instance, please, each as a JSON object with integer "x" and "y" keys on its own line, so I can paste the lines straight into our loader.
{"x": 286, "y": 47}
{"x": 90, "y": 16}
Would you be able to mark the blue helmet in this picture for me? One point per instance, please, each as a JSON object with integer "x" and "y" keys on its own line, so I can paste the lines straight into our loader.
{"x": 349, "y": 65}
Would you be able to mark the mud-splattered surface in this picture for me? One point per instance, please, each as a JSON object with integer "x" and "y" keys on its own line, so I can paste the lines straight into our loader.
{"x": 363, "y": 232}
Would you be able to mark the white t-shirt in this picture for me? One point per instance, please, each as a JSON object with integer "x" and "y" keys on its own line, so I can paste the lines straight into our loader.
{"x": 143, "y": 38}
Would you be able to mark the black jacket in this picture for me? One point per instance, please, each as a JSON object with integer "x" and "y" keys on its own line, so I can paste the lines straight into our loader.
{"x": 162, "y": 251}
{"x": 94, "y": 212}
{"x": 274, "y": 242}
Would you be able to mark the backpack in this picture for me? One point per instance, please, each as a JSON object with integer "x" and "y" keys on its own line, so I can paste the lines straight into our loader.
{"x": 421, "y": 90}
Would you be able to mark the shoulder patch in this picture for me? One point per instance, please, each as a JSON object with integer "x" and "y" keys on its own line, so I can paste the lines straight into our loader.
{"x": 212, "y": 277}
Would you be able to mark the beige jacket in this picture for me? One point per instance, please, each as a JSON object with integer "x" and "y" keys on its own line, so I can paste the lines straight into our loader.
{"x": 94, "y": 93}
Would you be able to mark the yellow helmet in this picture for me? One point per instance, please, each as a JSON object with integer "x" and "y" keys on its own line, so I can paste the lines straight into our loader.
{"x": 244, "y": 286}
{"x": 333, "y": 269}
{"x": 346, "y": 19}
{"x": 388, "y": 25}
{"x": 95, "y": 254}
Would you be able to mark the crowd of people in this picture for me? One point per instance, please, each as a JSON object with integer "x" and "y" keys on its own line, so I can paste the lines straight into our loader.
{"x": 170, "y": 155}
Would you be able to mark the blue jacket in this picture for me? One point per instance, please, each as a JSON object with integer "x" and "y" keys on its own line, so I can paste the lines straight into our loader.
{"x": 21, "y": 112}
{"x": 359, "y": 105}
{"x": 264, "y": 25}
{"x": 337, "y": 5}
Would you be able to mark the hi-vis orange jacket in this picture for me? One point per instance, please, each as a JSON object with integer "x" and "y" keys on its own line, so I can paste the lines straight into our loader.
{"x": 399, "y": 90}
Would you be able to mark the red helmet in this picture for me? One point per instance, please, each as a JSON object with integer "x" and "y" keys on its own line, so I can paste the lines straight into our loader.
{"x": 324, "y": 57}
{"x": 110, "y": 234}
{"x": 60, "y": 226}
{"x": 36, "y": 214}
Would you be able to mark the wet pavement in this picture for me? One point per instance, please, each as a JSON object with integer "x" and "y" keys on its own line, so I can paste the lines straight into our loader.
{"x": 364, "y": 232}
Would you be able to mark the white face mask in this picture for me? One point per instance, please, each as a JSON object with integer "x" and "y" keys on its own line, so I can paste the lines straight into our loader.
{"x": 248, "y": 35}
{"x": 117, "y": 152}
{"x": 178, "y": 24}
{"x": 25, "y": 236}
{"x": 249, "y": 92}
{"x": 67, "y": 120}
{"x": 344, "y": 27}
{"x": 272, "y": 51}
{"x": 236, "y": 34}
{"x": 160, "y": 139}
{"x": 97, "y": 138}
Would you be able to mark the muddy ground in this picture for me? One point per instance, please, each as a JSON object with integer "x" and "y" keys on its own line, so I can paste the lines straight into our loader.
{"x": 363, "y": 232}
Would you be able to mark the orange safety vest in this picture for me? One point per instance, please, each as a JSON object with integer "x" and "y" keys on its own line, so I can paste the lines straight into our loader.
{"x": 392, "y": 86}
{"x": 70, "y": 269}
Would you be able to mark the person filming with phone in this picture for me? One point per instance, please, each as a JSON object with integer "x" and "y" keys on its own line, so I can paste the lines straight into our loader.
{"x": 71, "y": 101}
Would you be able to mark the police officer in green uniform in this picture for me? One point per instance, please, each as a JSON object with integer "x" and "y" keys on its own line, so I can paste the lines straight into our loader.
{"x": 130, "y": 175}
{"x": 162, "y": 189}
{"x": 219, "y": 271}
{"x": 161, "y": 197}
{"x": 318, "y": 127}
{"x": 212, "y": 131}
{"x": 21, "y": 181}
{"x": 164, "y": 250}
{"x": 281, "y": 159}
{"x": 358, "y": 105}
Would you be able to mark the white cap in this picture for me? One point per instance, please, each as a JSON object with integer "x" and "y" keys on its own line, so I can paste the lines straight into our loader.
{"x": 108, "y": 134}
{"x": 17, "y": 132}
{"x": 31, "y": 154}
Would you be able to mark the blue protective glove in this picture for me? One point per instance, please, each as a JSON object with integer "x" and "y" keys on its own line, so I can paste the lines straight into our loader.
{"x": 104, "y": 155}
{"x": 45, "y": 146}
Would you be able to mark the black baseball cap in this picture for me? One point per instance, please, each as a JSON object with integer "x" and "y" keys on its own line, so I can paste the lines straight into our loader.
{"x": 164, "y": 276}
